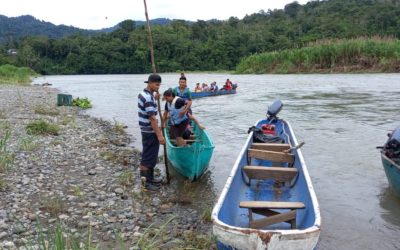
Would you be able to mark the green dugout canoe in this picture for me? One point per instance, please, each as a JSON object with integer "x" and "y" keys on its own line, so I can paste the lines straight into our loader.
{"x": 192, "y": 159}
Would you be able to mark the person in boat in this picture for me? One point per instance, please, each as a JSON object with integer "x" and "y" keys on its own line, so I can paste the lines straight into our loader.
{"x": 152, "y": 136}
{"x": 213, "y": 86}
{"x": 178, "y": 110}
{"x": 205, "y": 87}
{"x": 183, "y": 91}
{"x": 228, "y": 85}
{"x": 198, "y": 88}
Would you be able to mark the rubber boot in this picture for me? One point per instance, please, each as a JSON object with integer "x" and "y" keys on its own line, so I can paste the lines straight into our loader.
{"x": 148, "y": 185}
{"x": 154, "y": 180}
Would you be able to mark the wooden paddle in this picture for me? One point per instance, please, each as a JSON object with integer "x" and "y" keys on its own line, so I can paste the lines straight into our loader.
{"x": 153, "y": 66}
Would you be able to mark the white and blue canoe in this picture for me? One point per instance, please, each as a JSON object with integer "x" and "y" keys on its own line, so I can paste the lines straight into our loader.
{"x": 268, "y": 201}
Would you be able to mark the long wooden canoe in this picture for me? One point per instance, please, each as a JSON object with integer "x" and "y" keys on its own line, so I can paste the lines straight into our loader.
{"x": 268, "y": 201}
{"x": 192, "y": 159}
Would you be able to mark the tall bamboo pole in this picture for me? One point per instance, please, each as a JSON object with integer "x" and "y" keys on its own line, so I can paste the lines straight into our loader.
{"x": 153, "y": 66}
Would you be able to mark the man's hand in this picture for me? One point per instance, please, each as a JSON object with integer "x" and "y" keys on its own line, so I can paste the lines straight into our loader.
{"x": 161, "y": 139}
{"x": 157, "y": 96}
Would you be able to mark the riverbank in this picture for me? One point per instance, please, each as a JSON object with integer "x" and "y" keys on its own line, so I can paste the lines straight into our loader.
{"x": 84, "y": 180}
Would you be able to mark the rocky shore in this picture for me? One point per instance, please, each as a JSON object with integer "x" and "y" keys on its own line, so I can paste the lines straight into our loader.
{"x": 81, "y": 183}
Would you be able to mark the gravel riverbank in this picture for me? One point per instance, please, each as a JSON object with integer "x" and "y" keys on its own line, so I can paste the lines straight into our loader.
{"x": 83, "y": 179}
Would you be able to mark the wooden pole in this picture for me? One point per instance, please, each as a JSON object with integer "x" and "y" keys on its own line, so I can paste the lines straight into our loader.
{"x": 153, "y": 66}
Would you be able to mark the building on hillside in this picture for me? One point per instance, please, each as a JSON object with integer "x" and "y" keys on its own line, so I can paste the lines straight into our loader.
{"x": 12, "y": 52}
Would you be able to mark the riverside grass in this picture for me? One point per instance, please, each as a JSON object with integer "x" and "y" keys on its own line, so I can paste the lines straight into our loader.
{"x": 10, "y": 74}
{"x": 374, "y": 54}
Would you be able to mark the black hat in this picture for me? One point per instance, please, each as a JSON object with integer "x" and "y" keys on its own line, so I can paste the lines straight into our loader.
{"x": 153, "y": 78}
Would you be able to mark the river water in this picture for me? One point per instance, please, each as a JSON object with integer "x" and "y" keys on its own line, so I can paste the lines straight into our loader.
{"x": 341, "y": 118}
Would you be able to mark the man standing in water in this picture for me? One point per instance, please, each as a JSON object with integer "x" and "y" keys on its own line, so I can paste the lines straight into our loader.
{"x": 152, "y": 136}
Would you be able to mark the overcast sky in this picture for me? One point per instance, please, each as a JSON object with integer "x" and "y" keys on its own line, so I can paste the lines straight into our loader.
{"x": 97, "y": 14}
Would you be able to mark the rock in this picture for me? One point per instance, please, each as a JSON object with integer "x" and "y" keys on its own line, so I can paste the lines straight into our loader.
{"x": 137, "y": 234}
{"x": 106, "y": 237}
{"x": 3, "y": 235}
{"x": 119, "y": 191}
{"x": 93, "y": 205}
{"x": 8, "y": 244}
{"x": 18, "y": 229}
{"x": 52, "y": 220}
{"x": 156, "y": 202}
{"x": 3, "y": 225}
{"x": 63, "y": 217}
{"x": 32, "y": 217}
{"x": 25, "y": 181}
{"x": 92, "y": 172}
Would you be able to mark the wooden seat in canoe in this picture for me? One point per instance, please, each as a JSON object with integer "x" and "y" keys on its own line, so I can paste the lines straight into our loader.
{"x": 173, "y": 141}
{"x": 273, "y": 156}
{"x": 277, "y": 147}
{"x": 271, "y": 217}
{"x": 281, "y": 174}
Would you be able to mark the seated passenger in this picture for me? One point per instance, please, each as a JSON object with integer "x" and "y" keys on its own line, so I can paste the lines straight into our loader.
{"x": 198, "y": 88}
{"x": 205, "y": 87}
{"x": 228, "y": 85}
{"x": 213, "y": 87}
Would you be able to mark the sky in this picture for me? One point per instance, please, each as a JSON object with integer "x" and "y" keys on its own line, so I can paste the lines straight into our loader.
{"x": 97, "y": 14}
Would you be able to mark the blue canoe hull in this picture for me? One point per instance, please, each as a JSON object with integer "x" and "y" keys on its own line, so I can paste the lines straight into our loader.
{"x": 231, "y": 223}
{"x": 196, "y": 95}
{"x": 392, "y": 171}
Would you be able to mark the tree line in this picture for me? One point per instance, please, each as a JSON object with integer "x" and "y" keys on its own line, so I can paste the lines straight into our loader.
{"x": 206, "y": 45}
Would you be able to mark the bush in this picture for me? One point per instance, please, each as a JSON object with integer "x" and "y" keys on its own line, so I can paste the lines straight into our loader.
{"x": 82, "y": 103}
{"x": 42, "y": 127}
{"x": 10, "y": 74}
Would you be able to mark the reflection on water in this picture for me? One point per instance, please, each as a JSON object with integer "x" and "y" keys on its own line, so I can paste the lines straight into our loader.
{"x": 391, "y": 207}
{"x": 342, "y": 118}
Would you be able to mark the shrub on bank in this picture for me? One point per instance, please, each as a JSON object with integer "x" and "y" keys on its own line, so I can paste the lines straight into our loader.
{"x": 42, "y": 127}
{"x": 340, "y": 55}
{"x": 10, "y": 74}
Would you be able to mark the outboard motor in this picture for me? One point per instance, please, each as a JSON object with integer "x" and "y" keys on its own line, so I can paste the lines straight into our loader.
{"x": 274, "y": 109}
{"x": 392, "y": 146}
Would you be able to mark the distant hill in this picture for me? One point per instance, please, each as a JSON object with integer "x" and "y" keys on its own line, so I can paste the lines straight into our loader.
{"x": 14, "y": 28}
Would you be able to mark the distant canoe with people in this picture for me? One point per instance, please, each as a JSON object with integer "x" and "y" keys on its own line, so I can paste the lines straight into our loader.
{"x": 196, "y": 95}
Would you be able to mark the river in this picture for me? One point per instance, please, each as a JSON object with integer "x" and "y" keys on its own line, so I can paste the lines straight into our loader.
{"x": 340, "y": 117}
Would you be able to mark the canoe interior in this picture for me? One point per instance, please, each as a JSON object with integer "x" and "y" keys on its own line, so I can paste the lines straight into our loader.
{"x": 191, "y": 160}
{"x": 265, "y": 190}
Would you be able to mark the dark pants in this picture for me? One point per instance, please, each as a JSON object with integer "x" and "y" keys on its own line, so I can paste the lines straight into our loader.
{"x": 151, "y": 146}
{"x": 180, "y": 128}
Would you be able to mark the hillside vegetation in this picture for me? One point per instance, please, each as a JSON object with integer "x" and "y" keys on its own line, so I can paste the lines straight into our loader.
{"x": 213, "y": 45}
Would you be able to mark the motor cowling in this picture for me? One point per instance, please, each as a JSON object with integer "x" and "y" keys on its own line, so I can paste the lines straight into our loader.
{"x": 392, "y": 146}
{"x": 274, "y": 108}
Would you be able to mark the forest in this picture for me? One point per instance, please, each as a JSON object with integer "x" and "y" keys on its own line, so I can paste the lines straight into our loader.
{"x": 212, "y": 45}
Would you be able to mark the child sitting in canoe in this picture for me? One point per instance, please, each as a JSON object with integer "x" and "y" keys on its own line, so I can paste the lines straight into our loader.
{"x": 178, "y": 110}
